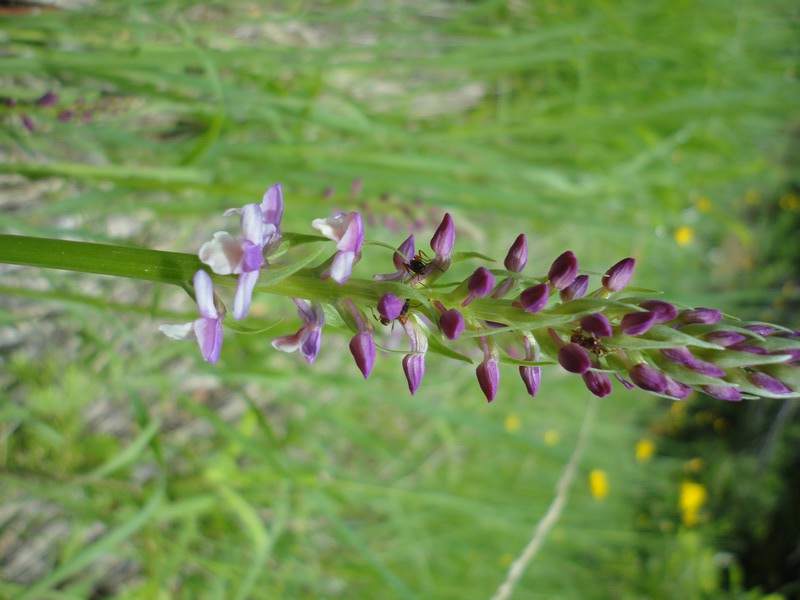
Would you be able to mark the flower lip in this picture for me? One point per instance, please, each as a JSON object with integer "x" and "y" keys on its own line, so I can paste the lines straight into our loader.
{"x": 563, "y": 271}
{"x": 618, "y": 276}
{"x": 574, "y": 358}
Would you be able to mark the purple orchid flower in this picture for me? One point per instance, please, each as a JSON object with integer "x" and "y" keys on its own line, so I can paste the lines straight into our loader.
{"x": 308, "y": 338}
{"x": 405, "y": 252}
{"x": 207, "y": 329}
{"x": 347, "y": 230}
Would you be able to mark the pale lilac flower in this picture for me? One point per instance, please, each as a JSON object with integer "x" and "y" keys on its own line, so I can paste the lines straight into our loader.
{"x": 405, "y": 252}
{"x": 207, "y": 329}
{"x": 308, "y": 338}
{"x": 347, "y": 230}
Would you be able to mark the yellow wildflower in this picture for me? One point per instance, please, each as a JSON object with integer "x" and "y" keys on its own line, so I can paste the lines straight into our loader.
{"x": 512, "y": 423}
{"x": 645, "y": 450}
{"x": 684, "y": 235}
{"x": 551, "y": 437}
{"x": 598, "y": 484}
{"x": 692, "y": 497}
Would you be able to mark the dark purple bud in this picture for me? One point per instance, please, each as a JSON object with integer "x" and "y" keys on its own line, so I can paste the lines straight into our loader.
{"x": 648, "y": 378}
{"x": 598, "y": 383}
{"x": 676, "y": 389}
{"x": 414, "y": 368}
{"x": 517, "y": 256}
{"x": 722, "y": 392}
{"x": 534, "y": 298}
{"x": 598, "y": 324}
{"x": 576, "y": 289}
{"x": 390, "y": 306}
{"x": 637, "y": 323}
{"x": 705, "y": 316}
{"x": 66, "y": 115}
{"x": 531, "y": 377}
{"x": 444, "y": 237}
{"x": 682, "y": 356}
{"x": 762, "y": 330}
{"x": 618, "y": 276}
{"x": 749, "y": 348}
{"x": 725, "y": 338}
{"x": 769, "y": 383}
{"x": 563, "y": 271}
{"x": 28, "y": 123}
{"x": 49, "y": 99}
{"x": 664, "y": 311}
{"x": 488, "y": 378}
{"x": 480, "y": 284}
{"x": 574, "y": 358}
{"x": 362, "y": 347}
{"x": 452, "y": 323}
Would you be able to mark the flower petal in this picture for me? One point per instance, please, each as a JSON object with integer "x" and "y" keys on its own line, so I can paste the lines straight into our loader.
{"x": 209, "y": 338}
{"x": 244, "y": 294}
{"x": 222, "y": 253}
{"x": 178, "y": 332}
{"x": 342, "y": 267}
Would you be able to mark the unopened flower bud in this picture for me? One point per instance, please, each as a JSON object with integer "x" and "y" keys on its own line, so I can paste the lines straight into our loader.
{"x": 480, "y": 284}
{"x": 517, "y": 256}
{"x": 664, "y": 311}
{"x": 452, "y": 323}
{"x": 722, "y": 392}
{"x": 676, "y": 389}
{"x": 390, "y": 306}
{"x": 576, "y": 289}
{"x": 574, "y": 358}
{"x": 769, "y": 383}
{"x": 683, "y": 356}
{"x": 637, "y": 323}
{"x": 705, "y": 316}
{"x": 531, "y": 377}
{"x": 762, "y": 330}
{"x": 598, "y": 324}
{"x": 597, "y": 382}
{"x": 725, "y": 338}
{"x": 488, "y": 377}
{"x": 535, "y": 298}
{"x": 648, "y": 378}
{"x": 414, "y": 368}
{"x": 563, "y": 271}
{"x": 50, "y": 98}
{"x": 618, "y": 276}
{"x": 362, "y": 347}
{"x": 444, "y": 238}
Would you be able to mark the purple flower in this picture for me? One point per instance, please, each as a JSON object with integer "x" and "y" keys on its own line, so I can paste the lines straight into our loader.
{"x": 308, "y": 338}
{"x": 574, "y": 358}
{"x": 762, "y": 330}
{"x": 347, "y": 230}
{"x": 676, "y": 389}
{"x": 65, "y": 115}
{"x": 443, "y": 240}
{"x": 598, "y": 324}
{"x": 683, "y": 356}
{"x": 637, "y": 323}
{"x": 517, "y": 256}
{"x": 722, "y": 392}
{"x": 534, "y": 299}
{"x": 452, "y": 323}
{"x": 272, "y": 213}
{"x": 414, "y": 363}
{"x": 405, "y": 252}
{"x": 725, "y": 338}
{"x": 207, "y": 329}
{"x": 701, "y": 315}
{"x": 531, "y": 377}
{"x": 390, "y": 306}
{"x": 488, "y": 377}
{"x": 362, "y": 347}
{"x": 576, "y": 289}
{"x": 480, "y": 284}
{"x": 748, "y": 348}
{"x": 664, "y": 311}
{"x": 618, "y": 276}
{"x": 563, "y": 271}
{"x": 769, "y": 383}
{"x": 597, "y": 382}
{"x": 50, "y": 98}
{"x": 28, "y": 123}
{"x": 648, "y": 378}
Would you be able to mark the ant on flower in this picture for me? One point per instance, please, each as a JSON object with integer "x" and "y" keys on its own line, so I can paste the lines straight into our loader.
{"x": 401, "y": 317}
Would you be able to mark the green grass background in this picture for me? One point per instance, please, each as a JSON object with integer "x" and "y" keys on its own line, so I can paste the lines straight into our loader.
{"x": 603, "y": 127}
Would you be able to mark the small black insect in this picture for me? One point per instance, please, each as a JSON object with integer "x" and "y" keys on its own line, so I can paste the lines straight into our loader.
{"x": 419, "y": 265}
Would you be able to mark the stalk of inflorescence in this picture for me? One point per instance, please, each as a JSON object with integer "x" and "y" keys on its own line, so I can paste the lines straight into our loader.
{"x": 602, "y": 332}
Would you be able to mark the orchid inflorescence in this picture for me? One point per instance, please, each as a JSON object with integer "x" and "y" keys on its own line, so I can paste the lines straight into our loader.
{"x": 613, "y": 331}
